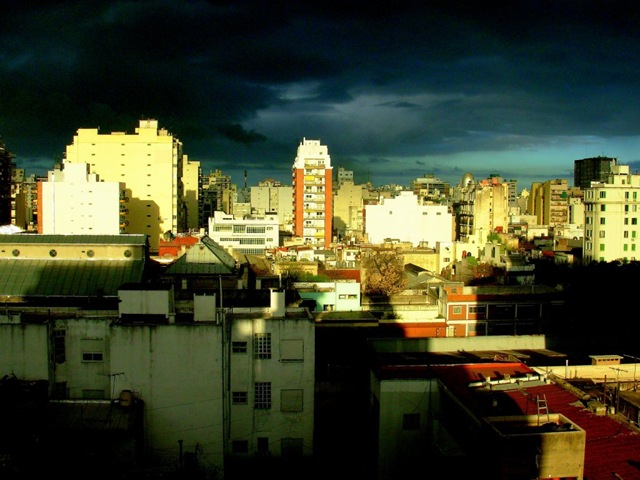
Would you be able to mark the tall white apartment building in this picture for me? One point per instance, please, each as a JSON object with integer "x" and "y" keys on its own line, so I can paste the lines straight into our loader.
{"x": 611, "y": 215}
{"x": 251, "y": 235}
{"x": 75, "y": 202}
{"x": 149, "y": 163}
{"x": 402, "y": 218}
{"x": 312, "y": 194}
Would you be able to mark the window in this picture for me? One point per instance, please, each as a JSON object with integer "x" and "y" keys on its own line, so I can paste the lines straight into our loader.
{"x": 240, "y": 446}
{"x": 92, "y": 356}
{"x": 457, "y": 310}
{"x": 262, "y": 396}
{"x": 262, "y": 345}
{"x": 239, "y": 398}
{"x": 411, "y": 421}
{"x": 602, "y": 247}
{"x": 603, "y": 208}
{"x": 239, "y": 347}
{"x": 626, "y": 234}
{"x": 291, "y": 350}
{"x": 601, "y": 233}
{"x": 625, "y": 247}
{"x": 602, "y": 221}
{"x": 603, "y": 194}
{"x": 291, "y": 400}
{"x": 634, "y": 221}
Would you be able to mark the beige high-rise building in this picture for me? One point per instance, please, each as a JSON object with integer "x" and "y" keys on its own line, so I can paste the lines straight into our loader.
{"x": 549, "y": 202}
{"x": 270, "y": 198}
{"x": 348, "y": 211}
{"x": 491, "y": 208}
{"x": 611, "y": 227}
{"x": 150, "y": 164}
{"x": 556, "y": 205}
{"x": 191, "y": 181}
{"x": 75, "y": 202}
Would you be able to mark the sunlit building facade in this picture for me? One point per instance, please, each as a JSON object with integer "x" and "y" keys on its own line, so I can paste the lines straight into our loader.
{"x": 75, "y": 202}
{"x": 611, "y": 226}
{"x": 312, "y": 179}
{"x": 149, "y": 163}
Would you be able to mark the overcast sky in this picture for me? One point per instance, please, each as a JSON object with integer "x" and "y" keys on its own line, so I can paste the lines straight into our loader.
{"x": 395, "y": 89}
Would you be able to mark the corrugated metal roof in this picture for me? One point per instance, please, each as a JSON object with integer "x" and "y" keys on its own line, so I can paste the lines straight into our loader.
{"x": 24, "y": 277}
{"x": 203, "y": 258}
{"x": 31, "y": 238}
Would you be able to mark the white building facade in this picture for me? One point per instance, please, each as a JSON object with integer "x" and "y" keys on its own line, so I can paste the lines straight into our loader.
{"x": 403, "y": 219}
{"x": 251, "y": 235}
{"x": 611, "y": 216}
{"x": 74, "y": 201}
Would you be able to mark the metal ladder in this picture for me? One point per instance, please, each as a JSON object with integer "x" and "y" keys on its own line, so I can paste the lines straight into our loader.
{"x": 543, "y": 409}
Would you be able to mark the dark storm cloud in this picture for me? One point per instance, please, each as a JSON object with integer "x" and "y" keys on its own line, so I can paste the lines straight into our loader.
{"x": 242, "y": 82}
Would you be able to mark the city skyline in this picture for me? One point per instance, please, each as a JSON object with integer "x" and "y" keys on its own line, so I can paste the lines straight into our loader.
{"x": 396, "y": 92}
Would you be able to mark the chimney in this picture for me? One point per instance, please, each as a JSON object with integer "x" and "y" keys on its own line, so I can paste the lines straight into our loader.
{"x": 277, "y": 303}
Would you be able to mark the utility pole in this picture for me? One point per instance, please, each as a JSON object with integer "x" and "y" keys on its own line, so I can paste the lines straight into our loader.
{"x": 634, "y": 369}
{"x": 618, "y": 370}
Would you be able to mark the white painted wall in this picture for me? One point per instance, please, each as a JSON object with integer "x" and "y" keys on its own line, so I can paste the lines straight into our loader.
{"x": 403, "y": 219}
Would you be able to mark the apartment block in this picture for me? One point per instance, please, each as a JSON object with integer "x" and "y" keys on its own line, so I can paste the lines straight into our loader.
{"x": 611, "y": 217}
{"x": 312, "y": 180}
{"x": 6, "y": 170}
{"x": 490, "y": 208}
{"x": 270, "y": 198}
{"x": 404, "y": 219}
{"x": 150, "y": 163}
{"x": 593, "y": 169}
{"x": 191, "y": 182}
{"x": 430, "y": 188}
{"x": 348, "y": 211}
{"x": 252, "y": 235}
{"x": 75, "y": 202}
{"x": 226, "y": 388}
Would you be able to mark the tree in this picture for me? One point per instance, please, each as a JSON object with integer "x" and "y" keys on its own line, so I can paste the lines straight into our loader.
{"x": 384, "y": 274}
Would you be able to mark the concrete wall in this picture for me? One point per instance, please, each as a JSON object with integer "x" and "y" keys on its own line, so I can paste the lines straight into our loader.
{"x": 25, "y": 349}
{"x": 177, "y": 371}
